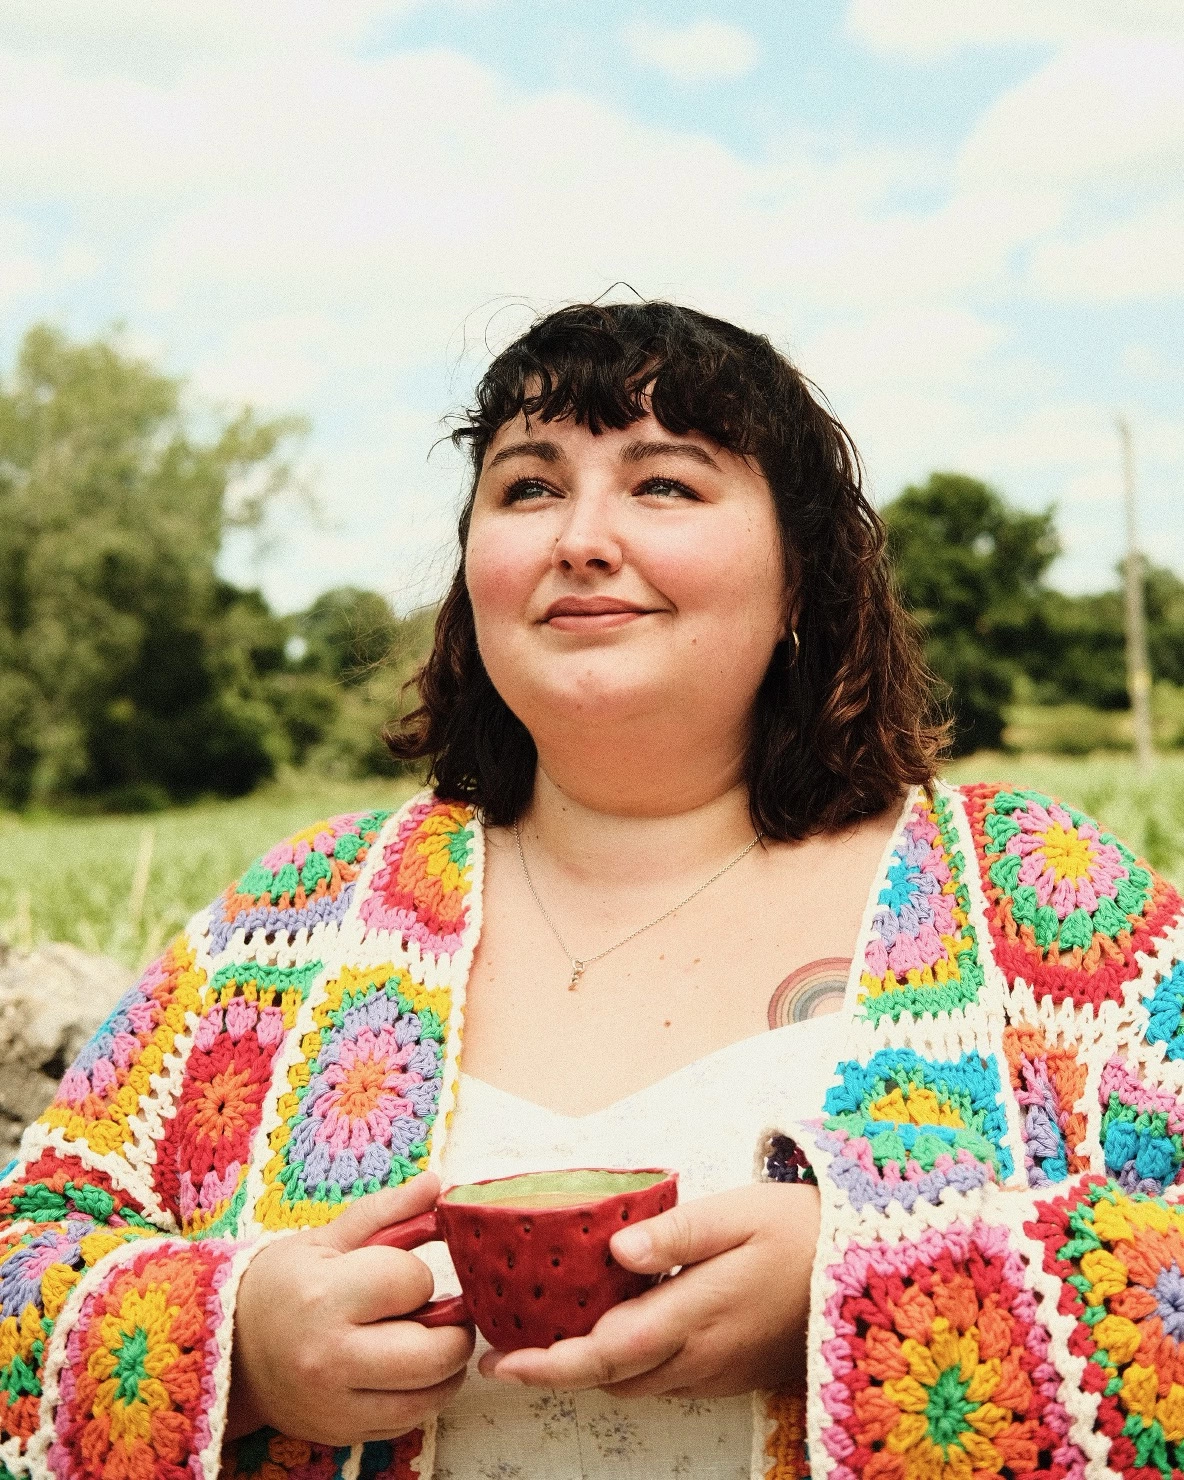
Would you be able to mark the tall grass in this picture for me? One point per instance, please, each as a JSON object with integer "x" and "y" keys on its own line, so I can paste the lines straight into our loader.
{"x": 123, "y": 885}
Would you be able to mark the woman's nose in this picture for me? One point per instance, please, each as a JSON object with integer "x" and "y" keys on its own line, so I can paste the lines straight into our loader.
{"x": 587, "y": 539}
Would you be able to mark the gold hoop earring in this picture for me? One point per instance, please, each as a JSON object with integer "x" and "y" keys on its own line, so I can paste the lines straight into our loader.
{"x": 797, "y": 647}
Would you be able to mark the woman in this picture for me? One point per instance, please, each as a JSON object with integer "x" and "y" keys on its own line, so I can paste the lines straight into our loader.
{"x": 681, "y": 739}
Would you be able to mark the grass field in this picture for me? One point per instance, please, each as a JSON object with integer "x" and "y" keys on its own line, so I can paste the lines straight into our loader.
{"x": 123, "y": 885}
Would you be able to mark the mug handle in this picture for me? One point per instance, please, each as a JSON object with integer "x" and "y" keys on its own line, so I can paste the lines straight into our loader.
{"x": 410, "y": 1234}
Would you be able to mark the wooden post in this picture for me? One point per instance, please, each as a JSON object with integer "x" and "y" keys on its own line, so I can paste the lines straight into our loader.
{"x": 1138, "y": 674}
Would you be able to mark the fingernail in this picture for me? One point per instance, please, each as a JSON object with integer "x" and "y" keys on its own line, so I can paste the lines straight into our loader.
{"x": 634, "y": 1243}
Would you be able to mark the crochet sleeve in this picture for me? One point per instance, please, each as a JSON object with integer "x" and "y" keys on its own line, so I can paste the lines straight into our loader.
{"x": 132, "y": 1209}
{"x": 114, "y": 1326}
{"x": 999, "y": 1288}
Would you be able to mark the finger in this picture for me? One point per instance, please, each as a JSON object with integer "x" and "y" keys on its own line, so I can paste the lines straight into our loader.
{"x": 582, "y": 1361}
{"x": 377, "y": 1284}
{"x": 381, "y": 1415}
{"x": 663, "y": 1381}
{"x": 685, "y": 1375}
{"x": 687, "y": 1234}
{"x": 392, "y": 1356}
{"x": 379, "y": 1210}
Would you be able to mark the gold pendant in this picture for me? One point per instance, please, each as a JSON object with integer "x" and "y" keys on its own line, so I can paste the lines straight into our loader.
{"x": 577, "y": 971}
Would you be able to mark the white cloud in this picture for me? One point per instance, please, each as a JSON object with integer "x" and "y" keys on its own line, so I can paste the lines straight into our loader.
{"x": 276, "y": 362}
{"x": 21, "y": 270}
{"x": 925, "y": 30}
{"x": 1102, "y": 112}
{"x": 313, "y": 226}
{"x": 1146, "y": 362}
{"x": 144, "y": 37}
{"x": 1138, "y": 260}
{"x": 704, "y": 51}
{"x": 923, "y": 347}
{"x": 1094, "y": 139}
{"x": 1056, "y": 435}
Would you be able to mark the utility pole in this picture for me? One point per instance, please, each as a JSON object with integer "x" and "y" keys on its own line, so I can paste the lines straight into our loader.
{"x": 1138, "y": 675}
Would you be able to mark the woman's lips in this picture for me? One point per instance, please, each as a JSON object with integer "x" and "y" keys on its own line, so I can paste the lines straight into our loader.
{"x": 593, "y": 621}
{"x": 591, "y": 613}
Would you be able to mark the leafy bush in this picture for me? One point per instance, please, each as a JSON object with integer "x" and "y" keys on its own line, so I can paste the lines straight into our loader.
{"x": 1078, "y": 729}
{"x": 1064, "y": 729}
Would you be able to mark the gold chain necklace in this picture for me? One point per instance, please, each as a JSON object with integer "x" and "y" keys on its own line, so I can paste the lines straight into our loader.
{"x": 580, "y": 964}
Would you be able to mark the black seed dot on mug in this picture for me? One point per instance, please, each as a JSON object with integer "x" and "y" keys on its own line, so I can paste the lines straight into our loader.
{"x": 608, "y": 1260}
{"x": 526, "y": 1227}
{"x": 624, "y": 1215}
{"x": 555, "y": 1262}
{"x": 558, "y": 1336}
{"x": 581, "y": 1301}
{"x": 510, "y": 1260}
{"x": 498, "y": 1291}
{"x": 472, "y": 1269}
{"x": 517, "y": 1323}
{"x": 493, "y": 1320}
{"x": 476, "y": 1233}
{"x": 538, "y": 1292}
{"x": 584, "y": 1229}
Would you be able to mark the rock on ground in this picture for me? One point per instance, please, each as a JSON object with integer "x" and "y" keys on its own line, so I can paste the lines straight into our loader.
{"x": 51, "y": 1001}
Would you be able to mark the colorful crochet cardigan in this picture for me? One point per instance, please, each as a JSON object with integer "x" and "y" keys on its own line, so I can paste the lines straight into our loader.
{"x": 999, "y": 1286}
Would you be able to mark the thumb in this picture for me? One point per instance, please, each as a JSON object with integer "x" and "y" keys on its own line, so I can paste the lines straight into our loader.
{"x": 378, "y": 1210}
{"x": 684, "y": 1235}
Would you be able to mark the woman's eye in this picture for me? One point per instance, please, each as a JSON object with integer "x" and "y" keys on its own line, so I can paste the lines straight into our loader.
{"x": 668, "y": 488}
{"x": 525, "y": 490}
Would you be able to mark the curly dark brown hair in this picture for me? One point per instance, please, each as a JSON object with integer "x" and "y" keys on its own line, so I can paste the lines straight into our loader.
{"x": 838, "y": 733}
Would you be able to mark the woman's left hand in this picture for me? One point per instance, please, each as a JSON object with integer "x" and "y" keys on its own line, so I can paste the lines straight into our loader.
{"x": 732, "y": 1319}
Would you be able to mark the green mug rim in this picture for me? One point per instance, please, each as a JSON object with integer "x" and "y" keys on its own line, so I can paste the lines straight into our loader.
{"x": 589, "y": 1184}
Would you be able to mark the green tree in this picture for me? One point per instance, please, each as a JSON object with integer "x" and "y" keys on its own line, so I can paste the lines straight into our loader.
{"x": 127, "y": 668}
{"x": 971, "y": 567}
{"x": 354, "y": 639}
{"x": 1077, "y": 649}
{"x": 1165, "y": 624}
{"x": 349, "y": 633}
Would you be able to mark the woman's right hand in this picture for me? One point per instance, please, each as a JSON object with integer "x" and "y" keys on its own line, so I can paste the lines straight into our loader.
{"x": 316, "y": 1353}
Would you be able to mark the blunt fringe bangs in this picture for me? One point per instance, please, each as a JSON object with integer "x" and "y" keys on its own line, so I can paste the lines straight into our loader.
{"x": 837, "y": 733}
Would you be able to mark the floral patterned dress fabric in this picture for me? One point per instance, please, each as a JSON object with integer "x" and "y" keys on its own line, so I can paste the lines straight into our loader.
{"x": 999, "y": 1288}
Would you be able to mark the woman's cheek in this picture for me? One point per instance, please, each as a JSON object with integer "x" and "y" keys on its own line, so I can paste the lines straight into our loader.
{"x": 725, "y": 583}
{"x": 499, "y": 576}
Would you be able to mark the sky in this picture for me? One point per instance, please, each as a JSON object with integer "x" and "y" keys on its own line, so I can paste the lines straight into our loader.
{"x": 965, "y": 222}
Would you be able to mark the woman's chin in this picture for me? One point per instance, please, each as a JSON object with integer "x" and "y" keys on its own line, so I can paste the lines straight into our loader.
{"x": 606, "y": 701}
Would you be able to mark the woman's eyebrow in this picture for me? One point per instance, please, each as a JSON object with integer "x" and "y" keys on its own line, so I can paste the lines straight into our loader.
{"x": 639, "y": 451}
{"x": 548, "y": 452}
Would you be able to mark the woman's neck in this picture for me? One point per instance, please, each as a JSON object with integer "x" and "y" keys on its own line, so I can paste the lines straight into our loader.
{"x": 669, "y": 828}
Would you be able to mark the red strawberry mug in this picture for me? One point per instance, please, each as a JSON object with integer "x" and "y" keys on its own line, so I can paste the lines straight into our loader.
{"x": 531, "y": 1251}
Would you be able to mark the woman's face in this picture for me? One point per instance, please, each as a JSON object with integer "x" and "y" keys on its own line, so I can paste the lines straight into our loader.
{"x": 627, "y": 576}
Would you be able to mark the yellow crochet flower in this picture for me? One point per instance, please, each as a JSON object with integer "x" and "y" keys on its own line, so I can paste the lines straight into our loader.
{"x": 946, "y": 1419}
{"x": 135, "y": 1354}
{"x": 1068, "y": 854}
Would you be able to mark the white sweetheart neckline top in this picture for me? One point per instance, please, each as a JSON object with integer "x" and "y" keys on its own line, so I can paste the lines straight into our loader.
{"x": 703, "y": 1120}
